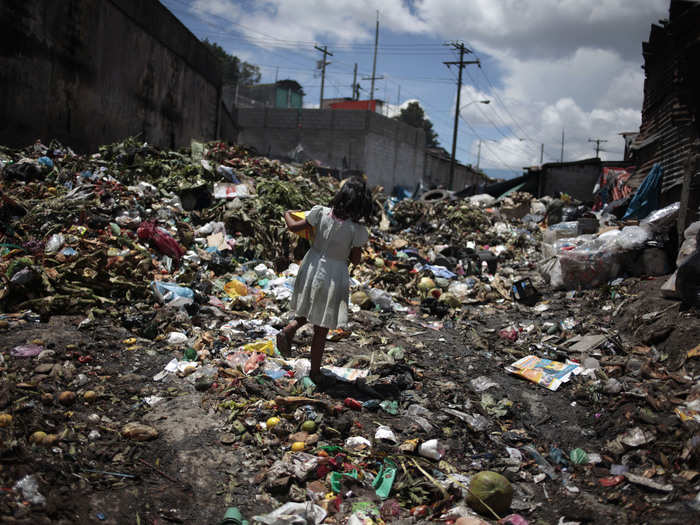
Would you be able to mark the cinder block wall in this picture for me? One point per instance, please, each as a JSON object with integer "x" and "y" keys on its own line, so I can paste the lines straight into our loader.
{"x": 389, "y": 152}
{"x": 577, "y": 181}
{"x": 89, "y": 72}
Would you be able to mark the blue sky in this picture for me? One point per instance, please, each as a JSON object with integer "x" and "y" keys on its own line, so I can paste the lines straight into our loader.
{"x": 546, "y": 65}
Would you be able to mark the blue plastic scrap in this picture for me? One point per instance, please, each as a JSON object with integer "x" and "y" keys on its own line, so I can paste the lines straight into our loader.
{"x": 646, "y": 199}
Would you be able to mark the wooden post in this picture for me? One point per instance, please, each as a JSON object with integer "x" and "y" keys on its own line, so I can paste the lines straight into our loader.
{"x": 690, "y": 193}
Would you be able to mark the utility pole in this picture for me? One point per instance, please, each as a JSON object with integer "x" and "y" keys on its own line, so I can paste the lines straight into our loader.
{"x": 461, "y": 63}
{"x": 597, "y": 145}
{"x": 541, "y": 153}
{"x": 355, "y": 85}
{"x": 561, "y": 159}
{"x": 398, "y": 96}
{"x": 478, "y": 156}
{"x": 323, "y": 70}
{"x": 374, "y": 62}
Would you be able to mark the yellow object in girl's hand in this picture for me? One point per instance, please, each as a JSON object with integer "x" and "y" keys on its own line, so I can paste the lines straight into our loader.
{"x": 306, "y": 233}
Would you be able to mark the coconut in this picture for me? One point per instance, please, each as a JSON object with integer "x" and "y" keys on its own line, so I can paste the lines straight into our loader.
{"x": 66, "y": 398}
{"x": 490, "y": 488}
{"x": 5, "y": 420}
{"x": 435, "y": 292}
{"x": 361, "y": 299}
{"x": 308, "y": 426}
{"x": 450, "y": 299}
{"x": 90, "y": 395}
{"x": 425, "y": 284}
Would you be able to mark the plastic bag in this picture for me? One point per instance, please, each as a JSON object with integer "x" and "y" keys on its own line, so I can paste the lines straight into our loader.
{"x": 165, "y": 242}
{"x": 661, "y": 220}
{"x": 483, "y": 200}
{"x": 588, "y": 268}
{"x": 28, "y": 486}
{"x": 382, "y": 298}
{"x": 172, "y": 294}
{"x": 54, "y": 243}
{"x": 632, "y": 238}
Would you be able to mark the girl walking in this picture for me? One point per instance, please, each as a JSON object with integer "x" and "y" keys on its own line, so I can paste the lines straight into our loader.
{"x": 321, "y": 288}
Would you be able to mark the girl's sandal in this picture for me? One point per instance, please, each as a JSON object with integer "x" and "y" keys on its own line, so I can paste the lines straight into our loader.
{"x": 283, "y": 345}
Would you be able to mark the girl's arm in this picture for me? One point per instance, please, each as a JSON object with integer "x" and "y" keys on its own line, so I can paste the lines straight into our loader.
{"x": 356, "y": 255}
{"x": 295, "y": 225}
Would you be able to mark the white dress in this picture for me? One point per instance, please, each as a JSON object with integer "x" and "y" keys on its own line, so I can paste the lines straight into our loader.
{"x": 321, "y": 288}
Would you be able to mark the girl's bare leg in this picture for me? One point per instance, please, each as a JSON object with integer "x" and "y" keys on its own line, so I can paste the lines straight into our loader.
{"x": 318, "y": 343}
{"x": 286, "y": 335}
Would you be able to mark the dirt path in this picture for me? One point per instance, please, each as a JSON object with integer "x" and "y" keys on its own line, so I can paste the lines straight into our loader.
{"x": 211, "y": 454}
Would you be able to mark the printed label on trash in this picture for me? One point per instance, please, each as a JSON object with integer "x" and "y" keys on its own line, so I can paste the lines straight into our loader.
{"x": 349, "y": 374}
{"x": 544, "y": 372}
{"x": 227, "y": 190}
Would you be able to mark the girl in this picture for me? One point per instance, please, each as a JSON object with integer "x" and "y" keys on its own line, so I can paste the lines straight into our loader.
{"x": 322, "y": 285}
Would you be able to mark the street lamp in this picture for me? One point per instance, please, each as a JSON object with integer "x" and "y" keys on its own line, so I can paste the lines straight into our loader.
{"x": 475, "y": 102}
{"x": 454, "y": 135}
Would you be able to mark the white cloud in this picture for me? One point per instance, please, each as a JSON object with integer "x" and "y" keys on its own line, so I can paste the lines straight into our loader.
{"x": 275, "y": 23}
{"x": 544, "y": 28}
{"x": 571, "y": 64}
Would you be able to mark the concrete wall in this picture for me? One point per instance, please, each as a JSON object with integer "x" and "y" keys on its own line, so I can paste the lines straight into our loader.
{"x": 89, "y": 72}
{"x": 577, "y": 180}
{"x": 390, "y": 152}
{"x": 437, "y": 174}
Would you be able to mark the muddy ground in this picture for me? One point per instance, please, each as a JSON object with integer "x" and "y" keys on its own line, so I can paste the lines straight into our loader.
{"x": 201, "y": 463}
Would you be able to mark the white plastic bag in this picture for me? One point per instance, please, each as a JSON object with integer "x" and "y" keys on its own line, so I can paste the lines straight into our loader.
{"x": 632, "y": 238}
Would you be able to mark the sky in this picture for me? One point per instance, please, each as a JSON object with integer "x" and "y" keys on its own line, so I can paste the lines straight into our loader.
{"x": 545, "y": 66}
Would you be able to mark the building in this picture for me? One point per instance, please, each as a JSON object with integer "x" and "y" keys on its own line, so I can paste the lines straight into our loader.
{"x": 670, "y": 129}
{"x": 281, "y": 94}
{"x": 388, "y": 151}
{"x": 437, "y": 172}
{"x": 375, "y": 105}
{"x": 577, "y": 178}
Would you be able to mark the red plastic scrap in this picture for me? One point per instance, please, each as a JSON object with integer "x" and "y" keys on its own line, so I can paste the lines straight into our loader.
{"x": 509, "y": 334}
{"x": 611, "y": 481}
{"x": 148, "y": 231}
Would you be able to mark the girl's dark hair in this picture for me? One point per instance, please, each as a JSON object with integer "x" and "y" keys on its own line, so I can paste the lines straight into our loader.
{"x": 353, "y": 201}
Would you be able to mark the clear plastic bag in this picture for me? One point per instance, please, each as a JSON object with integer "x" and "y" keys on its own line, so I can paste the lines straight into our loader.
{"x": 632, "y": 238}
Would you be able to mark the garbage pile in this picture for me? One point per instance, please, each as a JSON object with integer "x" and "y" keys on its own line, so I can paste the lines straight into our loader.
{"x": 463, "y": 390}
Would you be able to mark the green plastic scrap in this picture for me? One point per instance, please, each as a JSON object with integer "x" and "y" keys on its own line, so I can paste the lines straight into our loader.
{"x": 385, "y": 479}
{"x": 336, "y": 478}
{"x": 366, "y": 508}
{"x": 578, "y": 456}
{"x": 331, "y": 449}
{"x": 391, "y": 407}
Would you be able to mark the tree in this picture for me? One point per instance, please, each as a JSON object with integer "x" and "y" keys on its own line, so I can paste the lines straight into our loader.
{"x": 233, "y": 69}
{"x": 413, "y": 115}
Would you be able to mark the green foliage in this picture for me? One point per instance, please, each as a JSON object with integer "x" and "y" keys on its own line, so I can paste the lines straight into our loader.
{"x": 413, "y": 115}
{"x": 233, "y": 68}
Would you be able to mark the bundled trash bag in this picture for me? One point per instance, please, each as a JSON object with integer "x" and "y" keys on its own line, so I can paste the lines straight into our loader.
{"x": 688, "y": 280}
